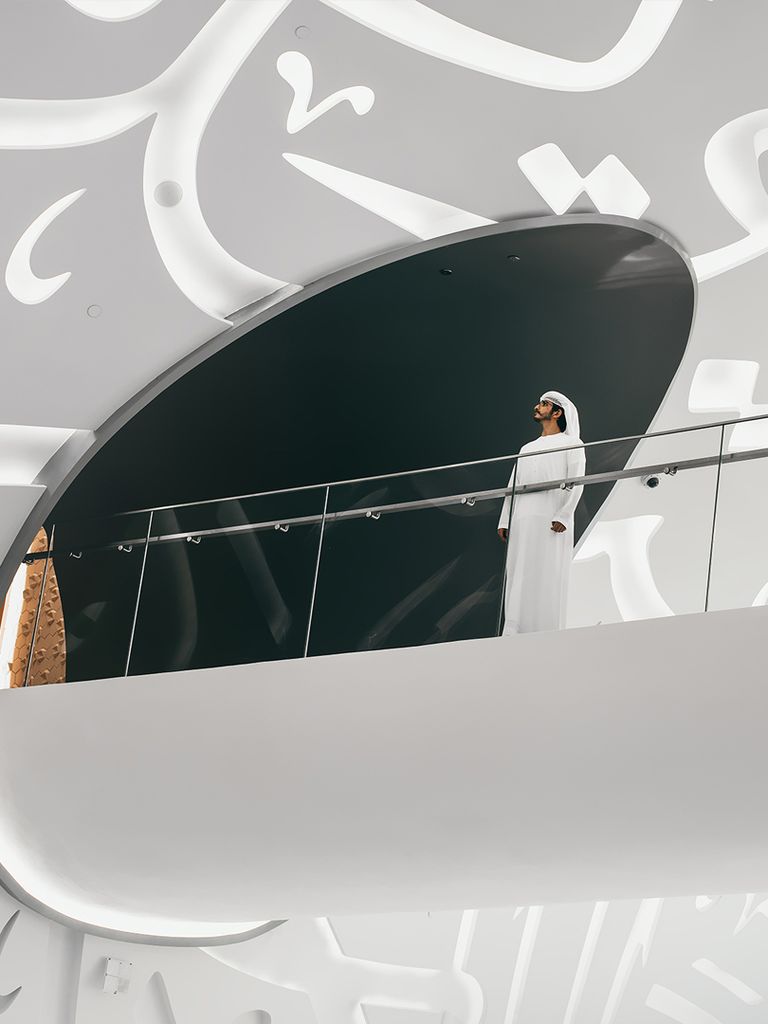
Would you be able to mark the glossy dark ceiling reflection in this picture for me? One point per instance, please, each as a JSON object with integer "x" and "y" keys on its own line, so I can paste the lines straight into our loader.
{"x": 406, "y": 366}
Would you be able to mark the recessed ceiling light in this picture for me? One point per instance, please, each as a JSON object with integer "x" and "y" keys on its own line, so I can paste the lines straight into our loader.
{"x": 301, "y": 31}
{"x": 446, "y": 271}
{"x": 168, "y": 193}
{"x": 516, "y": 259}
{"x": 94, "y": 311}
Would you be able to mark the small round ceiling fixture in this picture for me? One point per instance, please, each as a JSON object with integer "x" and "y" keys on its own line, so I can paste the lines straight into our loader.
{"x": 94, "y": 311}
{"x": 446, "y": 271}
{"x": 515, "y": 259}
{"x": 301, "y": 31}
{"x": 168, "y": 193}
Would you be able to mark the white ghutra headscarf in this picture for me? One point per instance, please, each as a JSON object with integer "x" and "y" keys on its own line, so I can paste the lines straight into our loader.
{"x": 572, "y": 426}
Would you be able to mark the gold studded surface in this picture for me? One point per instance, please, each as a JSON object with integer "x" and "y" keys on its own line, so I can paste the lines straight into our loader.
{"x": 49, "y": 657}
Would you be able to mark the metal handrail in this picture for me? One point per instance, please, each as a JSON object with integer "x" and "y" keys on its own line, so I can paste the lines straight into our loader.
{"x": 430, "y": 469}
{"x": 326, "y": 519}
{"x": 375, "y": 511}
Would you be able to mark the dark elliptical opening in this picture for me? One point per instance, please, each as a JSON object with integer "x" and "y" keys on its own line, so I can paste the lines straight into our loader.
{"x": 434, "y": 359}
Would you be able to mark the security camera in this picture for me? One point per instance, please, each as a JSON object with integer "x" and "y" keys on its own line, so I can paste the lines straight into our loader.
{"x": 650, "y": 481}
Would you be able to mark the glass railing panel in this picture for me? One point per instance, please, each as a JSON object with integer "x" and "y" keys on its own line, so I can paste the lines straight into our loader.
{"x": 429, "y": 485}
{"x": 212, "y": 517}
{"x": 739, "y": 576}
{"x": 228, "y": 582}
{"x": 602, "y": 460}
{"x": 411, "y": 559}
{"x": 645, "y": 551}
{"x": 396, "y": 576}
{"x": 86, "y": 614}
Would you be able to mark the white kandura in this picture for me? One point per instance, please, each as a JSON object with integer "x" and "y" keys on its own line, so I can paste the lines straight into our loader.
{"x": 538, "y": 558}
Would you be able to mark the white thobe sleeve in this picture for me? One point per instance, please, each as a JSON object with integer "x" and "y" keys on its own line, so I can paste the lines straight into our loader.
{"x": 576, "y": 465}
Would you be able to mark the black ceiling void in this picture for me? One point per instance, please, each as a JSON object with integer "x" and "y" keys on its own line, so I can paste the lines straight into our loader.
{"x": 408, "y": 366}
{"x": 434, "y": 359}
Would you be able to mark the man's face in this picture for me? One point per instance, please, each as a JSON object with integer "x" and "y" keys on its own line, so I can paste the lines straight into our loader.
{"x": 542, "y": 411}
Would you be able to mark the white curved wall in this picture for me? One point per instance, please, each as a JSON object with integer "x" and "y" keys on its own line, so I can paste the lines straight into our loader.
{"x": 593, "y": 763}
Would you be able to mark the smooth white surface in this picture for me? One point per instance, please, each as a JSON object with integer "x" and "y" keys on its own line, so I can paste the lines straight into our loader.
{"x": 732, "y": 163}
{"x": 620, "y": 957}
{"x": 627, "y": 544}
{"x": 725, "y": 387}
{"x": 9, "y": 624}
{"x": 610, "y": 185}
{"x": 39, "y": 967}
{"x": 16, "y": 502}
{"x": 113, "y": 10}
{"x": 525, "y": 962}
{"x": 296, "y": 69}
{"x": 20, "y": 280}
{"x": 185, "y": 97}
{"x": 181, "y": 101}
{"x": 418, "y": 25}
{"x": 417, "y": 214}
{"x": 306, "y": 955}
{"x": 25, "y": 450}
{"x": 336, "y": 785}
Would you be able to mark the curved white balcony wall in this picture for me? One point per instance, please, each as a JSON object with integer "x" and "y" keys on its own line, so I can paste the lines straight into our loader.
{"x": 24, "y": 451}
{"x": 558, "y": 766}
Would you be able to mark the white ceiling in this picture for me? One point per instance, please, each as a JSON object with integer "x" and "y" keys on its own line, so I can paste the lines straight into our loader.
{"x": 440, "y": 130}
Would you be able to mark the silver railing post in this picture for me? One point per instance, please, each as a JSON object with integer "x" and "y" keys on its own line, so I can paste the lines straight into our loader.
{"x": 317, "y": 569}
{"x": 506, "y": 549}
{"x": 714, "y": 518}
{"x": 138, "y": 594}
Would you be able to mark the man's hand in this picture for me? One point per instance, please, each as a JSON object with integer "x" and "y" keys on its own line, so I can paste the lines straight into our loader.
{"x": 503, "y": 534}
{"x": 558, "y": 527}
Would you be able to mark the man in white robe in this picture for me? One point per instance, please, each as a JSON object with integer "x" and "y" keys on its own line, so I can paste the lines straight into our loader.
{"x": 539, "y": 533}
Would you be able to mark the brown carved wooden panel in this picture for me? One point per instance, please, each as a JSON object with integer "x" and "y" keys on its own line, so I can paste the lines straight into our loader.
{"x": 49, "y": 656}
